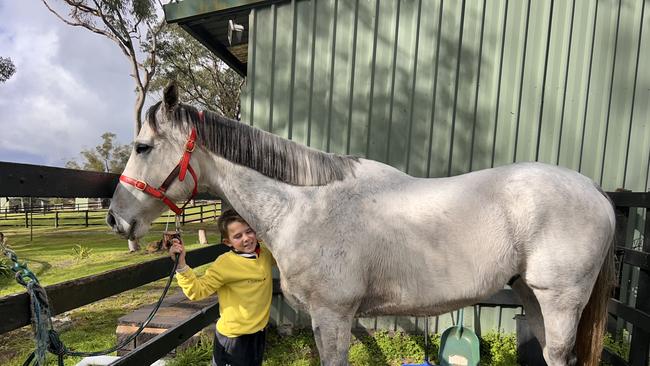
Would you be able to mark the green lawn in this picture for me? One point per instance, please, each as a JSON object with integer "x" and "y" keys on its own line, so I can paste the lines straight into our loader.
{"x": 50, "y": 255}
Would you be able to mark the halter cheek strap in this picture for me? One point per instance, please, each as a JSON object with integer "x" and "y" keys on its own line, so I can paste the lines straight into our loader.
{"x": 180, "y": 171}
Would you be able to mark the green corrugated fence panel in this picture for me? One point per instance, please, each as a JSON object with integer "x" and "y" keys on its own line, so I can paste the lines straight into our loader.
{"x": 559, "y": 40}
{"x": 622, "y": 93}
{"x": 638, "y": 149}
{"x": 282, "y": 65}
{"x": 440, "y": 88}
{"x": 489, "y": 86}
{"x": 481, "y": 319}
{"x": 599, "y": 91}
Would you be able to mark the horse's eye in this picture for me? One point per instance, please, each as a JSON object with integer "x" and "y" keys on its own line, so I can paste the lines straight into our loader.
{"x": 142, "y": 148}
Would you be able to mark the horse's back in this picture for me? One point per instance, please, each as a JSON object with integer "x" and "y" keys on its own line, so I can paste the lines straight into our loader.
{"x": 466, "y": 236}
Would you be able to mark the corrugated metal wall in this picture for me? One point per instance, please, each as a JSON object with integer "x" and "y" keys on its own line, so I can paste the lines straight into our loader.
{"x": 439, "y": 88}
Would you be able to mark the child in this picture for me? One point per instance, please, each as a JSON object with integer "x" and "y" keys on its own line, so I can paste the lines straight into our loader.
{"x": 242, "y": 279}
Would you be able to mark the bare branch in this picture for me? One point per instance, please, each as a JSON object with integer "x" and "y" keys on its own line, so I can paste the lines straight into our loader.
{"x": 121, "y": 37}
{"x": 82, "y": 6}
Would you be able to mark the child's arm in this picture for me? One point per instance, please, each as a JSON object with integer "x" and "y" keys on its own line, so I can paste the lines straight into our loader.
{"x": 195, "y": 288}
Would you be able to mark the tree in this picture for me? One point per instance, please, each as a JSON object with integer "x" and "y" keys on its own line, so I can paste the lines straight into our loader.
{"x": 133, "y": 25}
{"x": 106, "y": 157}
{"x": 7, "y": 69}
{"x": 203, "y": 79}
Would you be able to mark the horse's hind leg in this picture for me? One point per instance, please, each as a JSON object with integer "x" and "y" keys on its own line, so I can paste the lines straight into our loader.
{"x": 531, "y": 307}
{"x": 332, "y": 331}
{"x": 561, "y": 312}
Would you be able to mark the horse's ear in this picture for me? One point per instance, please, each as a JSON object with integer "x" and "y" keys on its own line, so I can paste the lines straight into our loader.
{"x": 170, "y": 95}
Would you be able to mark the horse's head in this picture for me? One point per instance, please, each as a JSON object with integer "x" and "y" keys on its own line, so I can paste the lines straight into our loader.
{"x": 153, "y": 177}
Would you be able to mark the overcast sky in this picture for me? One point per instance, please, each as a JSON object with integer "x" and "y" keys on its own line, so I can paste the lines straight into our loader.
{"x": 70, "y": 86}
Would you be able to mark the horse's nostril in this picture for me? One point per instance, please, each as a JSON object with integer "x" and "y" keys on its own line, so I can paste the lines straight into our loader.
{"x": 110, "y": 219}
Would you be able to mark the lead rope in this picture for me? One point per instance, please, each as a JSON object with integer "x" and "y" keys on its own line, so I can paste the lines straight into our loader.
{"x": 45, "y": 337}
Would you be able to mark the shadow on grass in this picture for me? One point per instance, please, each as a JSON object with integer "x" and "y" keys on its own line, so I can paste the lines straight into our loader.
{"x": 371, "y": 345}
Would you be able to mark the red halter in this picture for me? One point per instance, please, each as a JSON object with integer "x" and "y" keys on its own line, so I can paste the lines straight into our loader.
{"x": 180, "y": 170}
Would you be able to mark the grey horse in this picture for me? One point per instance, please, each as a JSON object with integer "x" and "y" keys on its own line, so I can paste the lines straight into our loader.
{"x": 357, "y": 237}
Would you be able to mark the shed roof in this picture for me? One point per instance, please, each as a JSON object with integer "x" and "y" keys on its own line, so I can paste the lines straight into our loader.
{"x": 207, "y": 21}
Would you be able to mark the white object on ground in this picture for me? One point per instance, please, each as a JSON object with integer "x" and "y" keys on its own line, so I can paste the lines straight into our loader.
{"x": 106, "y": 360}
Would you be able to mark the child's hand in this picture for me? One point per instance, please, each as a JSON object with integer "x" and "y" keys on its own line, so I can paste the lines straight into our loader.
{"x": 178, "y": 248}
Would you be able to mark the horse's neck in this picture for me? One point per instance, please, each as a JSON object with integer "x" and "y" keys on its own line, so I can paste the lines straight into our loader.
{"x": 260, "y": 200}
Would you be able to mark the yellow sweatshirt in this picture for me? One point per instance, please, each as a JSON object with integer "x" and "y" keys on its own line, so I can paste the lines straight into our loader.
{"x": 244, "y": 286}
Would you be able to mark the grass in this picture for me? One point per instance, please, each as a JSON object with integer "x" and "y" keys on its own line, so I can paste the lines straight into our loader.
{"x": 51, "y": 256}
{"x": 380, "y": 348}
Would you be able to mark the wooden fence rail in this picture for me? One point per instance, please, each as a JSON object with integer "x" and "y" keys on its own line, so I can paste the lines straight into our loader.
{"x": 86, "y": 218}
{"x": 75, "y": 293}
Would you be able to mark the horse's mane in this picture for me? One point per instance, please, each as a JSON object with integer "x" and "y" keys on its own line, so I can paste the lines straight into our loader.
{"x": 271, "y": 155}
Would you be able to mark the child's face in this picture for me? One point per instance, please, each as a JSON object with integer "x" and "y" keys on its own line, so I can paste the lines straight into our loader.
{"x": 241, "y": 237}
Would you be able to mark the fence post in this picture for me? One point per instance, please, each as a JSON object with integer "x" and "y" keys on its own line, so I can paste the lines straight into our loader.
{"x": 640, "y": 343}
{"x": 56, "y": 219}
{"x": 201, "y": 211}
{"x": 26, "y": 218}
{"x": 86, "y": 218}
{"x": 183, "y": 217}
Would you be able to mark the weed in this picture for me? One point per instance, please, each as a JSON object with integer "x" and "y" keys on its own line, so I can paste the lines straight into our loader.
{"x": 618, "y": 345}
{"x": 80, "y": 252}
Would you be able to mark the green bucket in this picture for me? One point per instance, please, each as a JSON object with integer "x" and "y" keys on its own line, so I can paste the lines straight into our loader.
{"x": 459, "y": 345}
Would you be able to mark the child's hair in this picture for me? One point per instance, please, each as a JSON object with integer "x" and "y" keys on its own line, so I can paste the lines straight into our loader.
{"x": 228, "y": 217}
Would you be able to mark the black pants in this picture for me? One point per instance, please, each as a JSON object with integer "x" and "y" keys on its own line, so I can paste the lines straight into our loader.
{"x": 245, "y": 350}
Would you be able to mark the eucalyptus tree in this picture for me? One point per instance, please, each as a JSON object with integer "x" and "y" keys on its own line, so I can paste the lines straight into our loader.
{"x": 108, "y": 156}
{"x": 203, "y": 80}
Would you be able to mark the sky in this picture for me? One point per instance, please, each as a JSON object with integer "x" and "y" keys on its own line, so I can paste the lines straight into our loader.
{"x": 70, "y": 86}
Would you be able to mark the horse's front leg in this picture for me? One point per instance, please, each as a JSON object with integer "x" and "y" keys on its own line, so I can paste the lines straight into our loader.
{"x": 332, "y": 329}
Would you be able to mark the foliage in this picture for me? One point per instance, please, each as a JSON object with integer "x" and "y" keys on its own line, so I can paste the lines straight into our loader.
{"x": 498, "y": 349}
{"x": 199, "y": 354}
{"x": 106, "y": 157}
{"x": 619, "y": 345}
{"x": 384, "y": 348}
{"x": 5, "y": 267}
{"x": 380, "y": 348}
{"x": 204, "y": 80}
{"x": 133, "y": 25}
{"x": 7, "y": 69}
{"x": 297, "y": 349}
{"x": 80, "y": 252}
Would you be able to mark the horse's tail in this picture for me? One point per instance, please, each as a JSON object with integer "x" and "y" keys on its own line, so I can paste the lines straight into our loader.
{"x": 591, "y": 329}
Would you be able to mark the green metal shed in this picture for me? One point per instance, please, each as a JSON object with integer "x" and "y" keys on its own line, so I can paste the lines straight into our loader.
{"x": 438, "y": 88}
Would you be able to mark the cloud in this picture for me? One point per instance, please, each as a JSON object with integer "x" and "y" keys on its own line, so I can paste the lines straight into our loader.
{"x": 70, "y": 86}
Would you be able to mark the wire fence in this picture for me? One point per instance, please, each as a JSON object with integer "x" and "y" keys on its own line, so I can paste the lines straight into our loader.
{"x": 59, "y": 216}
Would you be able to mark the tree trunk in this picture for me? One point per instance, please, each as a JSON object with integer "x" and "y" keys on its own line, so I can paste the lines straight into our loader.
{"x": 139, "y": 103}
{"x": 203, "y": 239}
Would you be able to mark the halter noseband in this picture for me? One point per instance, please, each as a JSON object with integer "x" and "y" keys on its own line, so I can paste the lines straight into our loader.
{"x": 180, "y": 171}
